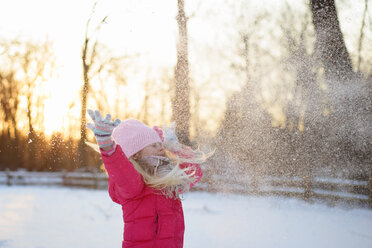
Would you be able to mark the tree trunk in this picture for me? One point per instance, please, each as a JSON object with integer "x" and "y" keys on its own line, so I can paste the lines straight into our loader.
{"x": 330, "y": 42}
{"x": 31, "y": 136}
{"x": 88, "y": 57}
{"x": 349, "y": 118}
{"x": 82, "y": 157}
{"x": 181, "y": 100}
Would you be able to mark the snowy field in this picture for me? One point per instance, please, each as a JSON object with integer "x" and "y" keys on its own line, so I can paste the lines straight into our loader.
{"x": 55, "y": 217}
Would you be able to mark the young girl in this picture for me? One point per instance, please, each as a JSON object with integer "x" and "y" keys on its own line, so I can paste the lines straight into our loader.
{"x": 147, "y": 173}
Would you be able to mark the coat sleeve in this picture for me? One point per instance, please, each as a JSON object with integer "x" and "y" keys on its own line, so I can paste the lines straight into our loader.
{"x": 124, "y": 180}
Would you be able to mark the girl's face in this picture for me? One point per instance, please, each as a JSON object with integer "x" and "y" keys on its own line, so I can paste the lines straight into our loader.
{"x": 155, "y": 149}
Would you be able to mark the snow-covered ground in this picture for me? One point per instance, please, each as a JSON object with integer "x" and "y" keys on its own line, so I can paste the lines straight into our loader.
{"x": 56, "y": 217}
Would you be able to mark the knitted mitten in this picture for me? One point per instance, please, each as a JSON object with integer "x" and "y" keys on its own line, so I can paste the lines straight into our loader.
{"x": 170, "y": 138}
{"x": 102, "y": 128}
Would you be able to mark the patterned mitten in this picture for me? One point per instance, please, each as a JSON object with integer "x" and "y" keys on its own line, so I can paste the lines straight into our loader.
{"x": 102, "y": 128}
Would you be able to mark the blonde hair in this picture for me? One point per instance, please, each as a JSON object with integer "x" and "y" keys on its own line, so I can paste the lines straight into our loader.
{"x": 170, "y": 179}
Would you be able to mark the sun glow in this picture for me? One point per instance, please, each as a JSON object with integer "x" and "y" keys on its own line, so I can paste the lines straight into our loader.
{"x": 127, "y": 31}
{"x": 54, "y": 118}
{"x": 57, "y": 108}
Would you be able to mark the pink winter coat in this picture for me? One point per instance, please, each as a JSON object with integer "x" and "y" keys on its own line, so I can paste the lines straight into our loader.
{"x": 150, "y": 218}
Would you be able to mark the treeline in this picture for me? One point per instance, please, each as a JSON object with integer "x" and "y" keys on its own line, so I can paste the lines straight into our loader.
{"x": 317, "y": 118}
{"x": 54, "y": 153}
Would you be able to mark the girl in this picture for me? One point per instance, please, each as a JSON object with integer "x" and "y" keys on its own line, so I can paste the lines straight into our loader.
{"x": 147, "y": 173}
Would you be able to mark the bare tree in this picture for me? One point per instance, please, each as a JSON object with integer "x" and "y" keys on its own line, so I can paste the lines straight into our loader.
{"x": 88, "y": 56}
{"x": 350, "y": 118}
{"x": 244, "y": 134}
{"x": 144, "y": 113}
{"x": 360, "y": 42}
{"x": 9, "y": 92}
{"x": 37, "y": 66}
{"x": 10, "y": 87}
{"x": 181, "y": 100}
{"x": 330, "y": 42}
{"x": 25, "y": 67}
{"x": 156, "y": 90}
{"x": 9, "y": 100}
{"x": 100, "y": 66}
{"x": 304, "y": 116}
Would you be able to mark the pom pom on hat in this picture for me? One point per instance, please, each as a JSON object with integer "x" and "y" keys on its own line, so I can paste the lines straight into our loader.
{"x": 132, "y": 136}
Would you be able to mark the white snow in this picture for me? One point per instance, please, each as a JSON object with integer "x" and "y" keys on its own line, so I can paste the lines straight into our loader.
{"x": 57, "y": 217}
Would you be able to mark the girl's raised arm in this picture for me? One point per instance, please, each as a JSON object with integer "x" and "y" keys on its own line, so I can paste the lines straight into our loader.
{"x": 120, "y": 170}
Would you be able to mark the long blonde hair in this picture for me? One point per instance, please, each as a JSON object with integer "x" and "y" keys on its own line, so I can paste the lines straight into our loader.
{"x": 169, "y": 178}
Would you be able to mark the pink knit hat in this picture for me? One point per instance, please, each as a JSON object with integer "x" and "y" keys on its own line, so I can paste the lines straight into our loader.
{"x": 132, "y": 136}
